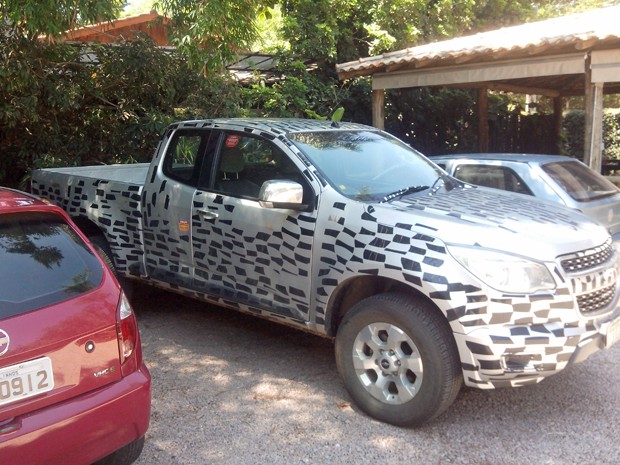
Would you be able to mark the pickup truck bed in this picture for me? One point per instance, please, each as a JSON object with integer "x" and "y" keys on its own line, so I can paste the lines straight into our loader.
{"x": 130, "y": 174}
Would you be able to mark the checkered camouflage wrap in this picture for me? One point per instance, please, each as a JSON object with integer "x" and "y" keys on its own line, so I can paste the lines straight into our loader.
{"x": 292, "y": 270}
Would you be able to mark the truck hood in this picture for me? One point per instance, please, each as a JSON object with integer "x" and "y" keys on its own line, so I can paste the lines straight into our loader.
{"x": 496, "y": 220}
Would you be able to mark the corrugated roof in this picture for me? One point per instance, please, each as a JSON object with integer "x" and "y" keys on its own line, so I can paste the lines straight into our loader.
{"x": 596, "y": 29}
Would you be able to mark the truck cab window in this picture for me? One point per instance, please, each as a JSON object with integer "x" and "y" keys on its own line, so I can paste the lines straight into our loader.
{"x": 246, "y": 162}
{"x": 184, "y": 156}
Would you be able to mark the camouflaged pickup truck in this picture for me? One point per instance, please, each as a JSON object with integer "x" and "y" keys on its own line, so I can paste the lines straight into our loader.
{"x": 342, "y": 230}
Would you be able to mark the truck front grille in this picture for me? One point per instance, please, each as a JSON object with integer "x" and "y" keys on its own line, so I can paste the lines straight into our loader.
{"x": 593, "y": 276}
{"x": 595, "y": 301}
{"x": 587, "y": 259}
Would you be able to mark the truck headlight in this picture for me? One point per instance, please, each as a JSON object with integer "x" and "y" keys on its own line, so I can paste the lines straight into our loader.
{"x": 506, "y": 273}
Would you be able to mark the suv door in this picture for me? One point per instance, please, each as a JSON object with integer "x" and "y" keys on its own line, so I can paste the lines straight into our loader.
{"x": 168, "y": 209}
{"x": 245, "y": 253}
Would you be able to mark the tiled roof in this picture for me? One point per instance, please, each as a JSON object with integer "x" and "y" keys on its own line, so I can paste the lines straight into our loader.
{"x": 596, "y": 29}
{"x": 151, "y": 23}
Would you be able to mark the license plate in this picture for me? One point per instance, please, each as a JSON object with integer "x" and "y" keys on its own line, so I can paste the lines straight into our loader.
{"x": 25, "y": 380}
{"x": 613, "y": 333}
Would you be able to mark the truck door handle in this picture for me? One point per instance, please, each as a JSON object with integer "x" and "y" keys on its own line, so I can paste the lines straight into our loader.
{"x": 207, "y": 214}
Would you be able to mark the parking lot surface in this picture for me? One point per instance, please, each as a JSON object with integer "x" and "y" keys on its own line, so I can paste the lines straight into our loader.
{"x": 234, "y": 389}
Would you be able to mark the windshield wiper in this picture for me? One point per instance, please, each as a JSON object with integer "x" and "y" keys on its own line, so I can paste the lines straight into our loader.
{"x": 447, "y": 182}
{"x": 402, "y": 192}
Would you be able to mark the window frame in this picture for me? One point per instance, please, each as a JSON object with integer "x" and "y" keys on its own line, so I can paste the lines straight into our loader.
{"x": 197, "y": 170}
{"x": 502, "y": 169}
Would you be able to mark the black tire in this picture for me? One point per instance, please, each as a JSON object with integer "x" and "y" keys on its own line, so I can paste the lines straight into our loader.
{"x": 102, "y": 247}
{"x": 398, "y": 359}
{"x": 125, "y": 455}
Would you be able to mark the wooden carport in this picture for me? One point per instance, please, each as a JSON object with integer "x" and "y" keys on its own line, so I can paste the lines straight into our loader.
{"x": 576, "y": 55}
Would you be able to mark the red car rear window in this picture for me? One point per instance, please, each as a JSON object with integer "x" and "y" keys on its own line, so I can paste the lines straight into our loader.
{"x": 42, "y": 262}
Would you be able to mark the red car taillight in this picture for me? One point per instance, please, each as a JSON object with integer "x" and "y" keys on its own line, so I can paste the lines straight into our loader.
{"x": 128, "y": 340}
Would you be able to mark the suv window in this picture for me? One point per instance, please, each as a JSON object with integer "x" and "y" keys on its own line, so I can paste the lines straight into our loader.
{"x": 498, "y": 177}
{"x": 42, "y": 262}
{"x": 184, "y": 155}
{"x": 582, "y": 183}
{"x": 246, "y": 162}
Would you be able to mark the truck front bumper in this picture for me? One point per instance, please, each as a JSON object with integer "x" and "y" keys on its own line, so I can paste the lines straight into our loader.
{"x": 512, "y": 356}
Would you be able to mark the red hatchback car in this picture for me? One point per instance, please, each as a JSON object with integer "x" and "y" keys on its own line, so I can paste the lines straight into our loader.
{"x": 73, "y": 386}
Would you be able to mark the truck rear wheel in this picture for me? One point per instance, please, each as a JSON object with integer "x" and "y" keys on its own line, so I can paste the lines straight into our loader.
{"x": 103, "y": 249}
{"x": 398, "y": 359}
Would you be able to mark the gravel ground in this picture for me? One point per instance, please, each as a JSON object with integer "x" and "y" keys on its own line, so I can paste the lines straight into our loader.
{"x": 233, "y": 389}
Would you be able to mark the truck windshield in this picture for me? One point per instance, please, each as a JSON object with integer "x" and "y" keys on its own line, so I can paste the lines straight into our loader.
{"x": 580, "y": 182}
{"x": 367, "y": 165}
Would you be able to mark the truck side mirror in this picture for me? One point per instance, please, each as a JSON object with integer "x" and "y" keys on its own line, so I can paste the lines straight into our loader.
{"x": 282, "y": 194}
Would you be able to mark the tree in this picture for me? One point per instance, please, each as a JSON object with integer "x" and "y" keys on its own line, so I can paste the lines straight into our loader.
{"x": 553, "y": 8}
{"x": 56, "y": 108}
{"x": 344, "y": 30}
{"x": 136, "y": 7}
{"x": 32, "y": 18}
{"x": 212, "y": 32}
{"x": 36, "y": 73}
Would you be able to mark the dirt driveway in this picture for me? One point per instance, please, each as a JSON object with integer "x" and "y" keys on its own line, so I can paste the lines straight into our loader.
{"x": 232, "y": 389}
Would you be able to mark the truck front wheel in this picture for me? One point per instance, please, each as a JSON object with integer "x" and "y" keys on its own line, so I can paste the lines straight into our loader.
{"x": 398, "y": 359}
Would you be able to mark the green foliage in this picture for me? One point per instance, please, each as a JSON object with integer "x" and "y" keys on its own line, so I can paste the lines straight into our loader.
{"x": 573, "y": 127}
{"x": 574, "y": 131}
{"x": 493, "y": 14}
{"x": 553, "y": 8}
{"x": 57, "y": 109}
{"x": 611, "y": 134}
{"x": 412, "y": 22}
{"x": 433, "y": 120}
{"x": 310, "y": 27}
{"x": 268, "y": 26}
{"x": 298, "y": 92}
{"x": 31, "y": 18}
{"x": 211, "y": 32}
{"x": 344, "y": 30}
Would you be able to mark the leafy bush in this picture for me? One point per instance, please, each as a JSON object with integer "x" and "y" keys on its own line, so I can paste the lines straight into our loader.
{"x": 573, "y": 128}
{"x": 433, "y": 120}
{"x": 611, "y": 134}
{"x": 300, "y": 92}
{"x": 72, "y": 105}
{"x": 65, "y": 105}
{"x": 574, "y": 132}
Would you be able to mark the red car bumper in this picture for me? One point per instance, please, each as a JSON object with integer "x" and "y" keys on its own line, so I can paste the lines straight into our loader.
{"x": 81, "y": 430}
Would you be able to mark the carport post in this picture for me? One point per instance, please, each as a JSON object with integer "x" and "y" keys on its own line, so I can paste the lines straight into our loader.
{"x": 557, "y": 124}
{"x": 589, "y": 108}
{"x": 593, "y": 137}
{"x": 596, "y": 133}
{"x": 483, "y": 120}
{"x": 378, "y": 108}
